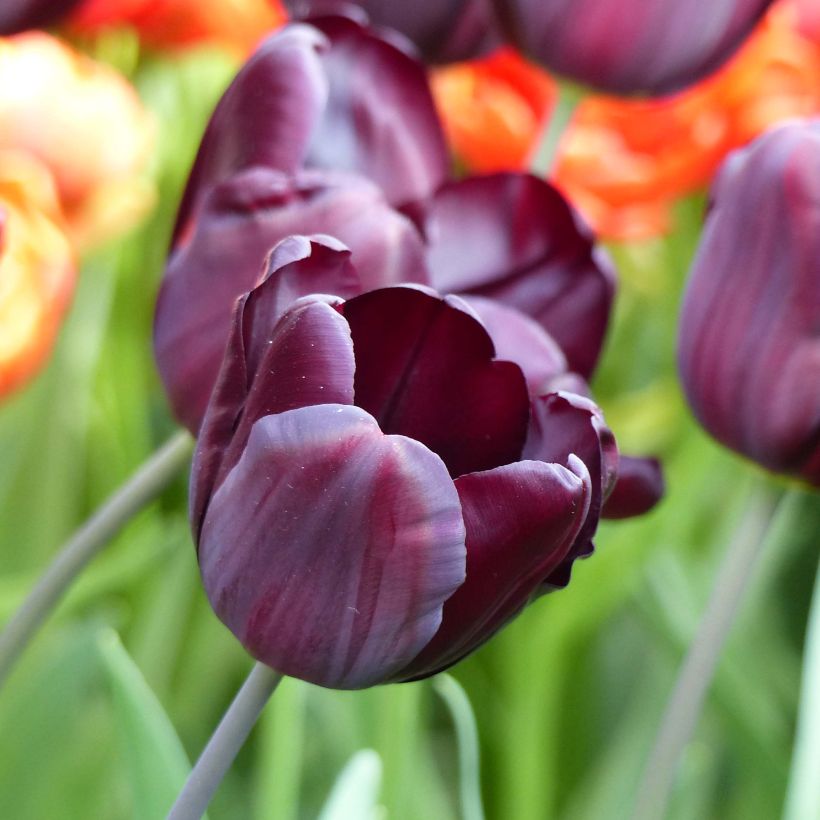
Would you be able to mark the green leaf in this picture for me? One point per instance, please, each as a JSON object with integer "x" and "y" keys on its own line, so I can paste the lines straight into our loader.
{"x": 156, "y": 762}
{"x": 356, "y": 791}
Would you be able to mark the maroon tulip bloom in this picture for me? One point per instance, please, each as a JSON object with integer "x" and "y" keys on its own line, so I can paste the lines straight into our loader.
{"x": 444, "y": 31}
{"x": 20, "y": 15}
{"x": 629, "y": 46}
{"x": 749, "y": 348}
{"x": 374, "y": 494}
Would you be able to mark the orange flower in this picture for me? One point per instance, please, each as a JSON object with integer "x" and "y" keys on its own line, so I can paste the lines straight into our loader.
{"x": 236, "y": 24}
{"x": 493, "y": 109}
{"x": 37, "y": 269}
{"x": 85, "y": 123}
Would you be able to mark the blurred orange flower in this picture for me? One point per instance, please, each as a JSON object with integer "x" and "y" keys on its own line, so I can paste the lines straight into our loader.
{"x": 493, "y": 108}
{"x": 37, "y": 269}
{"x": 236, "y": 24}
{"x": 624, "y": 162}
{"x": 86, "y": 124}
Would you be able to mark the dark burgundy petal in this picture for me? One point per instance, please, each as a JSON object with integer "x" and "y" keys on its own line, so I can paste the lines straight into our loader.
{"x": 266, "y": 117}
{"x": 240, "y": 221}
{"x": 425, "y": 369}
{"x": 749, "y": 344}
{"x": 628, "y": 46}
{"x": 564, "y": 425}
{"x": 303, "y": 359}
{"x": 330, "y": 549}
{"x": 522, "y": 520}
{"x": 443, "y": 30}
{"x": 380, "y": 120}
{"x": 639, "y": 488}
{"x": 514, "y": 238}
{"x": 20, "y": 15}
{"x": 521, "y": 340}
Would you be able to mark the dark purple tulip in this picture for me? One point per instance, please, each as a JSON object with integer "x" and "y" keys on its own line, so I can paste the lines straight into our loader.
{"x": 749, "y": 347}
{"x": 640, "y": 486}
{"x": 20, "y": 15}
{"x": 629, "y": 46}
{"x": 514, "y": 238}
{"x": 240, "y": 220}
{"x": 330, "y": 95}
{"x": 443, "y": 30}
{"x": 359, "y": 499}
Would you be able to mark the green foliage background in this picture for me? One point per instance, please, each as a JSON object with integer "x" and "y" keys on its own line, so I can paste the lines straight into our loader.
{"x": 134, "y": 671}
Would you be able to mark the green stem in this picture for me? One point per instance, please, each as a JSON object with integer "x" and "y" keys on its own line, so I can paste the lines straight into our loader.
{"x": 453, "y": 694}
{"x": 688, "y": 696}
{"x": 569, "y": 96}
{"x": 803, "y": 795}
{"x": 225, "y": 744}
{"x": 145, "y": 485}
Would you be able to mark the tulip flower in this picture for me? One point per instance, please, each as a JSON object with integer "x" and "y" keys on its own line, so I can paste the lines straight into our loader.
{"x": 749, "y": 350}
{"x": 19, "y": 15}
{"x": 374, "y": 494}
{"x": 86, "y": 124}
{"x": 37, "y": 268}
{"x": 443, "y": 31}
{"x": 624, "y": 48}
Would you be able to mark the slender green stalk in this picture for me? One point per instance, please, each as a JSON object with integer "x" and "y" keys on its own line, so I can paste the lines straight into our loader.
{"x": 803, "y": 795}
{"x": 145, "y": 485}
{"x": 225, "y": 744}
{"x": 453, "y": 694}
{"x": 569, "y": 96}
{"x": 688, "y": 696}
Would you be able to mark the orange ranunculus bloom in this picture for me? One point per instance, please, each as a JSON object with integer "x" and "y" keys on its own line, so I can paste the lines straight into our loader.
{"x": 493, "y": 109}
{"x": 85, "y": 123}
{"x": 236, "y": 24}
{"x": 624, "y": 162}
{"x": 37, "y": 269}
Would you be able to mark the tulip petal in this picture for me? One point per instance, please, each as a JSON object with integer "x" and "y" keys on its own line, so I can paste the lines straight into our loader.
{"x": 307, "y": 359}
{"x": 266, "y": 117}
{"x": 381, "y": 120}
{"x": 522, "y": 340}
{"x": 425, "y": 369}
{"x": 240, "y": 221}
{"x": 521, "y": 520}
{"x": 528, "y": 249}
{"x": 20, "y": 15}
{"x": 564, "y": 425}
{"x": 634, "y": 46}
{"x": 330, "y": 549}
{"x": 640, "y": 486}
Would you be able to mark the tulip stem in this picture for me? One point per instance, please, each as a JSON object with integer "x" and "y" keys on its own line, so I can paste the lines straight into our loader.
{"x": 225, "y": 744}
{"x": 566, "y": 101}
{"x": 689, "y": 694}
{"x": 148, "y": 481}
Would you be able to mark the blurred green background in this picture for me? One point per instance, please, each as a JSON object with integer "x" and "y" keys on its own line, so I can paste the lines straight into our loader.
{"x": 133, "y": 672}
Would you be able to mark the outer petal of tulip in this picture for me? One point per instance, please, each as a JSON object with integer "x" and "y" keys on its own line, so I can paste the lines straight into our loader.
{"x": 565, "y": 426}
{"x": 331, "y": 95}
{"x": 37, "y": 268}
{"x": 330, "y": 548}
{"x": 522, "y": 520}
{"x": 443, "y": 31}
{"x": 623, "y": 48}
{"x": 749, "y": 345}
{"x": 240, "y": 221}
{"x": 640, "y": 486}
{"x": 19, "y": 15}
{"x": 528, "y": 249}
